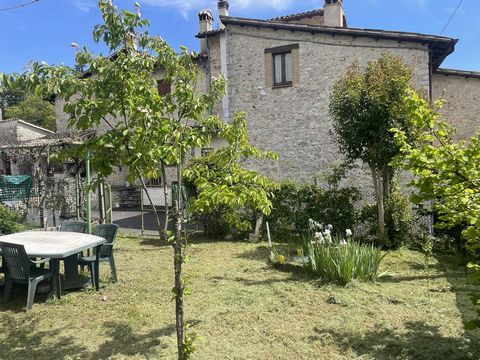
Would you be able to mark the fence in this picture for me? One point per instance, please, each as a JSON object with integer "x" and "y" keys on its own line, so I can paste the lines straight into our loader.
{"x": 50, "y": 201}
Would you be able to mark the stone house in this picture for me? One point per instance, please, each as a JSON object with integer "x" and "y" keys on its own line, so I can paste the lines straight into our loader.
{"x": 280, "y": 71}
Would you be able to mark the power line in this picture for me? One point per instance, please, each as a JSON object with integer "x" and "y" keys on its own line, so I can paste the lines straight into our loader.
{"x": 451, "y": 17}
{"x": 19, "y": 5}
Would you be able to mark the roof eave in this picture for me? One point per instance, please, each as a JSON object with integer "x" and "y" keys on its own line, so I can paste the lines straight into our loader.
{"x": 455, "y": 72}
{"x": 444, "y": 46}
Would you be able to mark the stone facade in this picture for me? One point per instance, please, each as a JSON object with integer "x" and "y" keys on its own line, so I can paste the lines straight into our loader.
{"x": 462, "y": 107}
{"x": 294, "y": 121}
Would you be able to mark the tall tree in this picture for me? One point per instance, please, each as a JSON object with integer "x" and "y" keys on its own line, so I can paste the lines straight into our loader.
{"x": 35, "y": 110}
{"x": 365, "y": 104}
{"x": 144, "y": 128}
{"x": 10, "y": 97}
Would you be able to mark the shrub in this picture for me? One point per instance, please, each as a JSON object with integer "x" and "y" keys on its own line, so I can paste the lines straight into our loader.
{"x": 342, "y": 262}
{"x": 398, "y": 218}
{"x": 399, "y": 221}
{"x": 9, "y": 221}
{"x": 294, "y": 205}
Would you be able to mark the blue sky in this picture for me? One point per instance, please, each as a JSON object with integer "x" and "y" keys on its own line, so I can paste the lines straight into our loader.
{"x": 44, "y": 30}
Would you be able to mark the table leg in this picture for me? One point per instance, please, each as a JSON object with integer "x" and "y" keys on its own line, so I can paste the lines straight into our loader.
{"x": 72, "y": 280}
{"x": 56, "y": 284}
{"x": 97, "y": 267}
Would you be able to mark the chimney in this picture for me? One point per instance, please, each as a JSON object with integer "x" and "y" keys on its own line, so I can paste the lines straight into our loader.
{"x": 206, "y": 24}
{"x": 223, "y": 10}
{"x": 334, "y": 14}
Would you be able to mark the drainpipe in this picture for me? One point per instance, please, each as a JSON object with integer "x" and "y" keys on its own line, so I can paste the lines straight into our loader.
{"x": 224, "y": 71}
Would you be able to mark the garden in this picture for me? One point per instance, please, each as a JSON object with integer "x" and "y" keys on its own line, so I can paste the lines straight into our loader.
{"x": 280, "y": 269}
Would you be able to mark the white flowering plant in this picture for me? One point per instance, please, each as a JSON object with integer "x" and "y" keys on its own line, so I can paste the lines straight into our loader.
{"x": 338, "y": 258}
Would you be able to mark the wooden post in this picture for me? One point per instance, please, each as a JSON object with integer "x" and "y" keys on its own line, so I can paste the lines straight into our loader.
{"x": 88, "y": 194}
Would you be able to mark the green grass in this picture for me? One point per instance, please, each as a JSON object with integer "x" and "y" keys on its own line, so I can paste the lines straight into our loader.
{"x": 245, "y": 309}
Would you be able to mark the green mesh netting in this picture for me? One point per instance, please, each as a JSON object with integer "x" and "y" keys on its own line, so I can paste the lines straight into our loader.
{"x": 14, "y": 188}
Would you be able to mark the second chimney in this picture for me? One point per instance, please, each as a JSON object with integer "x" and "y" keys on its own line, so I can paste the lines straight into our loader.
{"x": 334, "y": 14}
{"x": 206, "y": 24}
{"x": 223, "y": 10}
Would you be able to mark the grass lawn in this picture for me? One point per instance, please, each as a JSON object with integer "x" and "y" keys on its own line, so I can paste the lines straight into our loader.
{"x": 245, "y": 309}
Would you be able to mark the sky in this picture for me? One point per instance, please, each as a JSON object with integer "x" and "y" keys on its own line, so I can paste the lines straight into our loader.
{"x": 45, "y": 29}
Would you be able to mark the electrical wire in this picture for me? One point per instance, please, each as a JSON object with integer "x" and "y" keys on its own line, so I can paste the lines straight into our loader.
{"x": 452, "y": 16}
{"x": 19, "y": 5}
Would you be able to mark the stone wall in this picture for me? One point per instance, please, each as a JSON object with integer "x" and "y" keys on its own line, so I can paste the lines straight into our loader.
{"x": 462, "y": 107}
{"x": 294, "y": 121}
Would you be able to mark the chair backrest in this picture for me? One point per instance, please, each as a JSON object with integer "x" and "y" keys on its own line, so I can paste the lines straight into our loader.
{"x": 109, "y": 233}
{"x": 18, "y": 262}
{"x": 74, "y": 226}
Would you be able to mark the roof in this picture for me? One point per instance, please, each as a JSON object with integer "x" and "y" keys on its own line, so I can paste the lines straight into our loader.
{"x": 9, "y": 132}
{"x": 441, "y": 46}
{"x": 453, "y": 72}
{"x": 210, "y": 33}
{"x": 53, "y": 140}
{"x": 298, "y": 16}
{"x": 26, "y": 123}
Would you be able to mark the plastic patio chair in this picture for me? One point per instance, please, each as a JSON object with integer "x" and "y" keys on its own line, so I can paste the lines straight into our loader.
{"x": 20, "y": 269}
{"x": 74, "y": 226}
{"x": 109, "y": 233}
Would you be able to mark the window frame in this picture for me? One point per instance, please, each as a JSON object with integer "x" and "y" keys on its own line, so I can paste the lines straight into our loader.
{"x": 282, "y": 51}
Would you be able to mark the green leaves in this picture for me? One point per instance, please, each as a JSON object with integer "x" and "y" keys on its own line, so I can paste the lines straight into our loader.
{"x": 366, "y": 104}
{"x": 223, "y": 186}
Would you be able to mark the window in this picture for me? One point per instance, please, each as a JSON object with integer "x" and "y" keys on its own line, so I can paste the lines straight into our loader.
{"x": 282, "y": 68}
{"x": 164, "y": 87}
{"x": 206, "y": 151}
{"x": 282, "y": 65}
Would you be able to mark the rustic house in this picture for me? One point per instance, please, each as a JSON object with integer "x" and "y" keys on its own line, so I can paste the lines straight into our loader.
{"x": 280, "y": 71}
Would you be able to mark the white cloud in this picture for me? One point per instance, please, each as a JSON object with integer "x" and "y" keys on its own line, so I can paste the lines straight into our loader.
{"x": 84, "y": 5}
{"x": 189, "y": 7}
{"x": 186, "y": 7}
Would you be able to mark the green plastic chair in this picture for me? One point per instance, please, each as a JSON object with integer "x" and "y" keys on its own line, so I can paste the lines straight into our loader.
{"x": 74, "y": 226}
{"x": 109, "y": 233}
{"x": 20, "y": 269}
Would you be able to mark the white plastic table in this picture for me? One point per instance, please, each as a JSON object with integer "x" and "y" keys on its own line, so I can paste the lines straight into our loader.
{"x": 56, "y": 245}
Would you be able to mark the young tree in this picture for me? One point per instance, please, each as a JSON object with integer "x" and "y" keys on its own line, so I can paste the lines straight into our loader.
{"x": 35, "y": 110}
{"x": 365, "y": 104}
{"x": 224, "y": 188}
{"x": 143, "y": 129}
{"x": 446, "y": 172}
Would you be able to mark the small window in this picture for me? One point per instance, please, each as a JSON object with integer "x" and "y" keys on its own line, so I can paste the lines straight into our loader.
{"x": 206, "y": 151}
{"x": 282, "y": 65}
{"x": 282, "y": 68}
{"x": 164, "y": 87}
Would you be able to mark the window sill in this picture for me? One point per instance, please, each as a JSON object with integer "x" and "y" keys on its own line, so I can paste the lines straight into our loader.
{"x": 279, "y": 86}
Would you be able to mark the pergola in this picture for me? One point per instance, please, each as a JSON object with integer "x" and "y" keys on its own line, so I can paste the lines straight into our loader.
{"x": 42, "y": 148}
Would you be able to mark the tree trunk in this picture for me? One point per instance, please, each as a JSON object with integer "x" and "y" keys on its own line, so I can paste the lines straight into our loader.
{"x": 387, "y": 181}
{"x": 177, "y": 263}
{"x": 378, "y": 185}
{"x": 165, "y": 194}
{"x": 179, "y": 289}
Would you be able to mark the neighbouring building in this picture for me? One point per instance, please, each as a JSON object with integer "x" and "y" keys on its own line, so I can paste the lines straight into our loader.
{"x": 16, "y": 131}
{"x": 281, "y": 71}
